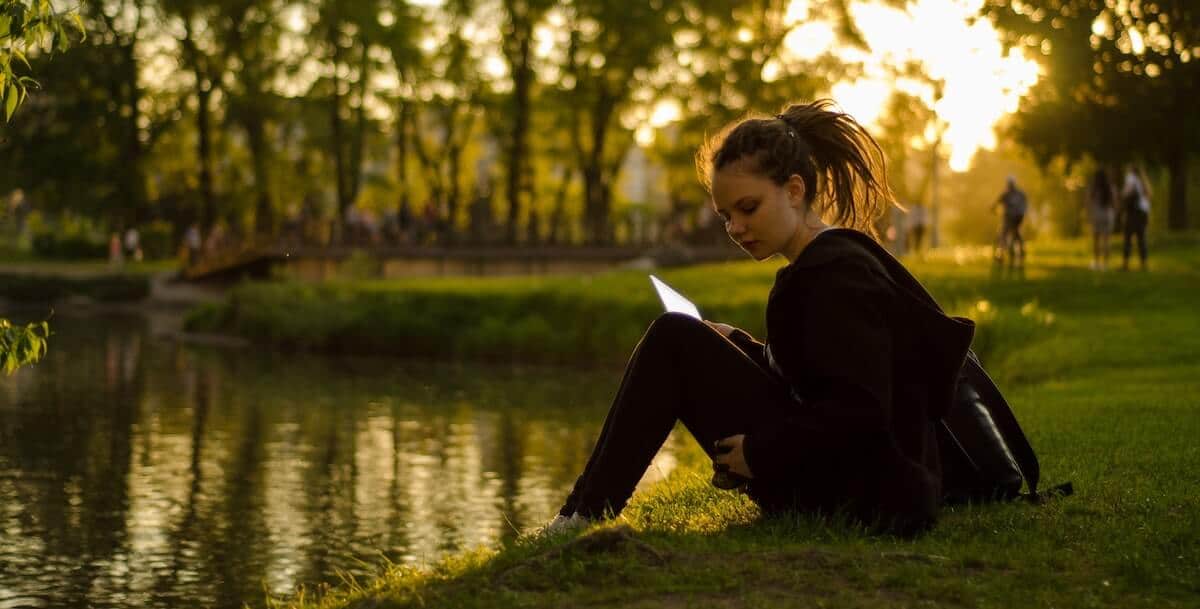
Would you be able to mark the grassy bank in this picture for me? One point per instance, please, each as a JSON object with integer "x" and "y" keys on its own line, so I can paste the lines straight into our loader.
{"x": 534, "y": 319}
{"x": 1101, "y": 369}
{"x": 39, "y": 287}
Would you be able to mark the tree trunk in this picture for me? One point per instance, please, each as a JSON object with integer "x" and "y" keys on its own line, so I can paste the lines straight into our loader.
{"x": 558, "y": 216}
{"x": 208, "y": 199}
{"x": 335, "y": 124}
{"x": 402, "y": 201}
{"x": 208, "y": 205}
{"x": 454, "y": 168}
{"x": 522, "y": 77}
{"x": 597, "y": 181}
{"x": 431, "y": 167}
{"x": 360, "y": 129}
{"x": 264, "y": 216}
{"x": 1177, "y": 205}
{"x": 133, "y": 185}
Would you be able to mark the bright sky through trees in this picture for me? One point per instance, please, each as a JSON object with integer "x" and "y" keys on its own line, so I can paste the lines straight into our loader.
{"x": 982, "y": 82}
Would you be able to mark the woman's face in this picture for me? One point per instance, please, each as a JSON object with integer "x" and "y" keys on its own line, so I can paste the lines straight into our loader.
{"x": 760, "y": 216}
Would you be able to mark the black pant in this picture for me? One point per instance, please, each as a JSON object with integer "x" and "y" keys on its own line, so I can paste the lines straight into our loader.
{"x": 1135, "y": 226}
{"x": 682, "y": 370}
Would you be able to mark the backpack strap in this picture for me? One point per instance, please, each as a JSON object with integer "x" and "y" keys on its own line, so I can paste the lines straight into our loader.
{"x": 1005, "y": 420}
{"x": 1018, "y": 444}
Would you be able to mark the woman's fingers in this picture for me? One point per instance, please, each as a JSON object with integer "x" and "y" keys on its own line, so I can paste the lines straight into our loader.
{"x": 723, "y": 329}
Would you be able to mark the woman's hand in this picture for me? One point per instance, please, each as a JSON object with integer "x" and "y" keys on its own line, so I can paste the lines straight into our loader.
{"x": 724, "y": 329}
{"x": 733, "y": 458}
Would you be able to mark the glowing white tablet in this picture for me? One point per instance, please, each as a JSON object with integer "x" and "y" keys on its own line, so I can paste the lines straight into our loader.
{"x": 674, "y": 301}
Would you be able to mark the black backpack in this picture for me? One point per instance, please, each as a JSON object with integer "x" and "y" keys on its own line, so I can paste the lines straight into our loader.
{"x": 985, "y": 455}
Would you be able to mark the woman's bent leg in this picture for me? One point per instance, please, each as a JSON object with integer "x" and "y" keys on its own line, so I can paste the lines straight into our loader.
{"x": 682, "y": 370}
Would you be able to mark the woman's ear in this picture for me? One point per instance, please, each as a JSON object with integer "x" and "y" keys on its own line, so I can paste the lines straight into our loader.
{"x": 795, "y": 190}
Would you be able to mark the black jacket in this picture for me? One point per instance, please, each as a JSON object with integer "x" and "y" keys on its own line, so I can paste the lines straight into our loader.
{"x": 872, "y": 362}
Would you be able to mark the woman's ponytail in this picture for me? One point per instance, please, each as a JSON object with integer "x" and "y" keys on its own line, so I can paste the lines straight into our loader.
{"x": 843, "y": 168}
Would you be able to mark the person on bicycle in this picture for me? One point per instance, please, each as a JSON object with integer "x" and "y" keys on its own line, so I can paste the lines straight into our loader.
{"x": 1015, "y": 203}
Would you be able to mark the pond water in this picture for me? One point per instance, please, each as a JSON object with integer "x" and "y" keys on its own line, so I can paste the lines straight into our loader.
{"x": 136, "y": 470}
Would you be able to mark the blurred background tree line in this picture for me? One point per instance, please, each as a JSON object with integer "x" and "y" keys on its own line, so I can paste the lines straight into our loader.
{"x": 534, "y": 121}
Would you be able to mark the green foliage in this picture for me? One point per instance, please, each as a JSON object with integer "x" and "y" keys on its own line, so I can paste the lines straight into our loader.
{"x": 26, "y": 26}
{"x": 1126, "y": 66}
{"x": 55, "y": 245}
{"x": 158, "y": 240}
{"x": 72, "y": 154}
{"x": 21, "y": 345}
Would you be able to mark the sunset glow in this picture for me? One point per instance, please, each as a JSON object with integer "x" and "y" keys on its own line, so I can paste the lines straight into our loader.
{"x": 982, "y": 82}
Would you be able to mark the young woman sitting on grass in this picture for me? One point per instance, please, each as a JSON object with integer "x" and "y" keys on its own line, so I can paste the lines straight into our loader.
{"x": 835, "y": 411}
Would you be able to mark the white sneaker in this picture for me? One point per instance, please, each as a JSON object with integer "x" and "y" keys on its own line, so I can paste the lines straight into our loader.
{"x": 563, "y": 524}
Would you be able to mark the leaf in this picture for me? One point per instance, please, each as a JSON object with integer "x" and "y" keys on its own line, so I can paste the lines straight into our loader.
{"x": 10, "y": 101}
{"x": 19, "y": 55}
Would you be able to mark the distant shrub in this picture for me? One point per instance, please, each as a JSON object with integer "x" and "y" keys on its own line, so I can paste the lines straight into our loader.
{"x": 44, "y": 288}
{"x": 207, "y": 317}
{"x": 78, "y": 246}
{"x": 158, "y": 240}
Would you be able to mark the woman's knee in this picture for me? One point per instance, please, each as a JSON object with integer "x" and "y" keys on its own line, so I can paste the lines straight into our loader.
{"x": 674, "y": 325}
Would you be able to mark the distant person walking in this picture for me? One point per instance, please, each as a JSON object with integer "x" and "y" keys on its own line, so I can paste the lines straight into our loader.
{"x": 133, "y": 245}
{"x": 1135, "y": 206}
{"x": 1102, "y": 211}
{"x": 1015, "y": 204}
{"x": 115, "y": 256}
{"x": 192, "y": 241}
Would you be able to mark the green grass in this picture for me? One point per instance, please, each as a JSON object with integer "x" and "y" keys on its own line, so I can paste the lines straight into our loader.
{"x": 1102, "y": 370}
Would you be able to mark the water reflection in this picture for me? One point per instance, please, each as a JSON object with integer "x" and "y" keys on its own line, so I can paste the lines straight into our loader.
{"x": 135, "y": 471}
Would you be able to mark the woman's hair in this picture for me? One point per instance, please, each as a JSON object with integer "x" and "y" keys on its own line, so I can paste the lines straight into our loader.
{"x": 843, "y": 168}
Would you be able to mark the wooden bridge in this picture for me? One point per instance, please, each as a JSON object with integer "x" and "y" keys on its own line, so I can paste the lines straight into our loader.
{"x": 317, "y": 263}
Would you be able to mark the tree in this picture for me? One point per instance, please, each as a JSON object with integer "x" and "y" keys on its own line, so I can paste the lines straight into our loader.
{"x": 521, "y": 16}
{"x": 400, "y": 39}
{"x": 1120, "y": 83}
{"x": 248, "y": 31}
{"x": 24, "y": 26}
{"x": 613, "y": 46}
{"x": 83, "y": 146}
{"x": 346, "y": 29}
{"x": 207, "y": 70}
{"x": 449, "y": 86}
